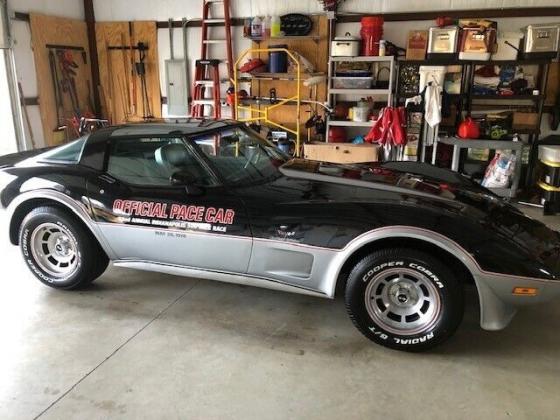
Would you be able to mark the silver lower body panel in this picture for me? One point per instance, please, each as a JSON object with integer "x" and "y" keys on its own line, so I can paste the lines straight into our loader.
{"x": 234, "y": 278}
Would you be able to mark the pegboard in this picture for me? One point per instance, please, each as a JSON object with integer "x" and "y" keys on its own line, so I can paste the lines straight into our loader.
{"x": 55, "y": 31}
{"x": 120, "y": 90}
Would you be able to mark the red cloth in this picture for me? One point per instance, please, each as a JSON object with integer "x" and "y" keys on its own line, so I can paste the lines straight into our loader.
{"x": 390, "y": 127}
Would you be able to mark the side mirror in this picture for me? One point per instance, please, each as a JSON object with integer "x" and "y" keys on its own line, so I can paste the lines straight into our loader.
{"x": 185, "y": 179}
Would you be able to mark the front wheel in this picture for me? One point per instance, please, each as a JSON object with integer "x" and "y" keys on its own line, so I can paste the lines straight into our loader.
{"x": 58, "y": 250}
{"x": 404, "y": 299}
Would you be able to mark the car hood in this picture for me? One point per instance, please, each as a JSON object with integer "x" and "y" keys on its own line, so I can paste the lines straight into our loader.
{"x": 408, "y": 178}
{"x": 441, "y": 188}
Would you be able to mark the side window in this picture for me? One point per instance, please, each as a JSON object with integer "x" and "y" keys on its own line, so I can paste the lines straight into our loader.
{"x": 152, "y": 161}
{"x": 241, "y": 156}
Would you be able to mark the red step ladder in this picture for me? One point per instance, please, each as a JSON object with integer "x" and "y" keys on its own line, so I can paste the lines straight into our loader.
{"x": 207, "y": 69}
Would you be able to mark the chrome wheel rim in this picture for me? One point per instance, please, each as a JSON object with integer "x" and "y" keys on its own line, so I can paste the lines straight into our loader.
{"x": 403, "y": 301}
{"x": 54, "y": 250}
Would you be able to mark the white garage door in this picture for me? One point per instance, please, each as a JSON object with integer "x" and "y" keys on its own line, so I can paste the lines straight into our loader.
{"x": 8, "y": 142}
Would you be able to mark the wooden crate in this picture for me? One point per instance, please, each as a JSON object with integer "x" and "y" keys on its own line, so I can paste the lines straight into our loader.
{"x": 341, "y": 152}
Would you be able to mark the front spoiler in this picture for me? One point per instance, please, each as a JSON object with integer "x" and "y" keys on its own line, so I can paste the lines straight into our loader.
{"x": 498, "y": 304}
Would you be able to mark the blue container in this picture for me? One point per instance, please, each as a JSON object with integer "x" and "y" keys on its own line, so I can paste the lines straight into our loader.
{"x": 278, "y": 61}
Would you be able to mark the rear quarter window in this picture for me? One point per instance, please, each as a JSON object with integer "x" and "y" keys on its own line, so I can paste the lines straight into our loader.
{"x": 68, "y": 153}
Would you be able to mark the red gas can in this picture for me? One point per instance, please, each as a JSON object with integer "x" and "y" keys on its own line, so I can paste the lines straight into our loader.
{"x": 371, "y": 33}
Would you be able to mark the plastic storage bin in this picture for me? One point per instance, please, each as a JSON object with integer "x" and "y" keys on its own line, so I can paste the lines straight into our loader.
{"x": 549, "y": 154}
{"x": 352, "y": 82}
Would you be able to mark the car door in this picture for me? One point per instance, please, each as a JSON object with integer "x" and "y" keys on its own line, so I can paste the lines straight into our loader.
{"x": 145, "y": 216}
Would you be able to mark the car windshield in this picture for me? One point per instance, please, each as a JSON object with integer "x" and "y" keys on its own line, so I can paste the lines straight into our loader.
{"x": 70, "y": 152}
{"x": 241, "y": 156}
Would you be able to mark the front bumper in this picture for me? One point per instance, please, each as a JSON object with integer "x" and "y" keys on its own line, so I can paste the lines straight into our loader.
{"x": 499, "y": 304}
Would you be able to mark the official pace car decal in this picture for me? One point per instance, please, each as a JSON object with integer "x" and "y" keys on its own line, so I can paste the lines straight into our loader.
{"x": 183, "y": 216}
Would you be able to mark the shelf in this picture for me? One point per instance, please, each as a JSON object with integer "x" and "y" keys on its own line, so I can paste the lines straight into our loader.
{"x": 520, "y": 62}
{"x": 289, "y": 77}
{"x": 362, "y": 59}
{"x": 359, "y": 92}
{"x": 455, "y": 62}
{"x": 315, "y": 38}
{"x": 351, "y": 123}
{"x": 509, "y": 97}
{"x": 525, "y": 130}
{"x": 433, "y": 62}
{"x": 453, "y": 96}
{"x": 481, "y": 144}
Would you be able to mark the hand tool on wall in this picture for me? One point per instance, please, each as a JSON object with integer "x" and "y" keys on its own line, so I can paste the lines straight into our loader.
{"x": 133, "y": 87}
{"x": 110, "y": 91}
{"x": 68, "y": 72}
{"x": 126, "y": 83}
{"x": 59, "y": 132}
{"x": 141, "y": 72}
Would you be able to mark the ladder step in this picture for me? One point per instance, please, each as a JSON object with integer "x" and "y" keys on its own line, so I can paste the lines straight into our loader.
{"x": 210, "y": 62}
{"x": 203, "y": 102}
{"x": 209, "y": 82}
{"x": 213, "y": 1}
{"x": 214, "y": 41}
{"x": 214, "y": 21}
{"x": 204, "y": 82}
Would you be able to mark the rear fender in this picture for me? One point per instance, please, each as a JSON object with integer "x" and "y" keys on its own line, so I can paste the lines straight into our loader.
{"x": 78, "y": 208}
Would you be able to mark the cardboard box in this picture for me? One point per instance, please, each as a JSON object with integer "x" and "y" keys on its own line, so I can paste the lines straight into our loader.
{"x": 416, "y": 45}
{"x": 525, "y": 120}
{"x": 341, "y": 152}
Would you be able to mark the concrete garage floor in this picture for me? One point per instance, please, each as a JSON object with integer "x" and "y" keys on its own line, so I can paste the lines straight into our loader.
{"x": 142, "y": 345}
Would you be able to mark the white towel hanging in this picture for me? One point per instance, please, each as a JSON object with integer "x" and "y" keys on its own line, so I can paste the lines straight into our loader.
{"x": 433, "y": 104}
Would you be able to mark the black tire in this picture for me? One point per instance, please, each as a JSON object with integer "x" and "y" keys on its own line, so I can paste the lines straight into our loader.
{"x": 81, "y": 260}
{"x": 382, "y": 284}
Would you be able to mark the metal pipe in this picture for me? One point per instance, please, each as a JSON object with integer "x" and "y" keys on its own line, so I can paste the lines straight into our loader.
{"x": 186, "y": 58}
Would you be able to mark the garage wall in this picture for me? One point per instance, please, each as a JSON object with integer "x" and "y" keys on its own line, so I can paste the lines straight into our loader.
{"x": 143, "y": 9}
{"x": 120, "y": 10}
{"x": 394, "y": 31}
{"x": 25, "y": 64}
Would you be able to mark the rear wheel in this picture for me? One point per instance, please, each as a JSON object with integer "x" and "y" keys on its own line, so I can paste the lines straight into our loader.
{"x": 58, "y": 250}
{"x": 404, "y": 299}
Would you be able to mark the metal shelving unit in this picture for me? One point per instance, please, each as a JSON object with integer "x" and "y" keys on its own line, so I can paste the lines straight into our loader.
{"x": 463, "y": 144}
{"x": 467, "y": 100}
{"x": 357, "y": 94}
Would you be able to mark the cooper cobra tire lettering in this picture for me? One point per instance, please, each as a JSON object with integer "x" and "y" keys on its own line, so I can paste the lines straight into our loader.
{"x": 380, "y": 267}
{"x": 25, "y": 249}
{"x": 428, "y": 273}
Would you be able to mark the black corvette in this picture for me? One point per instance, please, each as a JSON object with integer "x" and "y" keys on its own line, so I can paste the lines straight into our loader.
{"x": 213, "y": 200}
